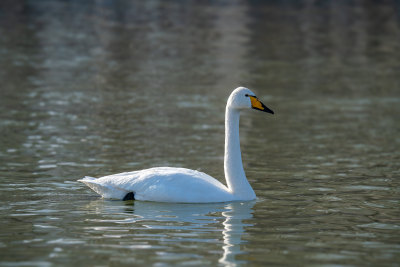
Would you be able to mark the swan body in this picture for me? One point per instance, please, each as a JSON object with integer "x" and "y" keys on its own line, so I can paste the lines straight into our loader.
{"x": 162, "y": 184}
{"x": 166, "y": 184}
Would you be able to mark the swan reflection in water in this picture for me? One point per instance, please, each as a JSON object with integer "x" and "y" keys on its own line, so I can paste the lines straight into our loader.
{"x": 198, "y": 222}
{"x": 234, "y": 229}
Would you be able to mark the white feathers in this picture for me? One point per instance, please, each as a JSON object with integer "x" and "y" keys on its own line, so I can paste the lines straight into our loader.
{"x": 166, "y": 184}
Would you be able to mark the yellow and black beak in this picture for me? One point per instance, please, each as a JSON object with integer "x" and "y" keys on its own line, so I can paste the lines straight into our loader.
{"x": 257, "y": 104}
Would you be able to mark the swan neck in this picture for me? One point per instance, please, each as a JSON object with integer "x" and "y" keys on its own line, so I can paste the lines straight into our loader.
{"x": 233, "y": 166}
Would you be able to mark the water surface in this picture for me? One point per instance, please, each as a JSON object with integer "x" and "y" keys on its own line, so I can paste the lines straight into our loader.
{"x": 103, "y": 87}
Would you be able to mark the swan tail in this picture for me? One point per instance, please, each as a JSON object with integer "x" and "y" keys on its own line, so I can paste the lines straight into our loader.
{"x": 105, "y": 191}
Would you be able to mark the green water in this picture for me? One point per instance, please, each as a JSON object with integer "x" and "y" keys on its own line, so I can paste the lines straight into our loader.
{"x": 101, "y": 87}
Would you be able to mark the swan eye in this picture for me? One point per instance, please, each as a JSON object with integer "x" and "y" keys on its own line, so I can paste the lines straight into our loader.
{"x": 250, "y": 95}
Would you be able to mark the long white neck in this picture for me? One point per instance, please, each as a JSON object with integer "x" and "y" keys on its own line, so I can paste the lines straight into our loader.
{"x": 233, "y": 166}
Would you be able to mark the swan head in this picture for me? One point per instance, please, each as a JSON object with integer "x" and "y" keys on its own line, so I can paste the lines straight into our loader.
{"x": 243, "y": 98}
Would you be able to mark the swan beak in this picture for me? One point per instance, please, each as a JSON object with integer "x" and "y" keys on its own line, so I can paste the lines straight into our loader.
{"x": 257, "y": 104}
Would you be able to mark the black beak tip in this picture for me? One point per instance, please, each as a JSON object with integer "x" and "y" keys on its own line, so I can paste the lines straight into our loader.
{"x": 268, "y": 110}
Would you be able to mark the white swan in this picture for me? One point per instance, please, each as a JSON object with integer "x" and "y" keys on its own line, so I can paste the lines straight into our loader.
{"x": 166, "y": 184}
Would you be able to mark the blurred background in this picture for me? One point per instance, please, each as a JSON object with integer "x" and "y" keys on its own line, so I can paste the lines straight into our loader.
{"x": 101, "y": 87}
